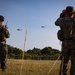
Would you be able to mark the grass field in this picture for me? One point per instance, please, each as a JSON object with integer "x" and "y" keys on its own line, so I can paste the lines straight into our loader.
{"x": 32, "y": 67}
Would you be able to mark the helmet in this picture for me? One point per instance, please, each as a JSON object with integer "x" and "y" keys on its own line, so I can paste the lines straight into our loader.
{"x": 69, "y": 9}
{"x": 1, "y": 18}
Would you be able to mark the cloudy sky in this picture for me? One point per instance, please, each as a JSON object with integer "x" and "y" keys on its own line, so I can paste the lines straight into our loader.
{"x": 32, "y": 14}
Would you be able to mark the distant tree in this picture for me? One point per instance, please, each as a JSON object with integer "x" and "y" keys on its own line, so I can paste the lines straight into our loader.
{"x": 55, "y": 51}
{"x": 10, "y": 51}
{"x": 46, "y": 50}
{"x": 36, "y": 51}
{"x": 27, "y": 55}
{"x": 29, "y": 51}
{"x": 14, "y": 52}
{"x": 46, "y": 53}
{"x": 54, "y": 57}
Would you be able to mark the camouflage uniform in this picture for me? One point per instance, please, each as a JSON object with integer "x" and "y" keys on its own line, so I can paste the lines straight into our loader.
{"x": 68, "y": 50}
{"x": 4, "y": 34}
{"x": 3, "y": 55}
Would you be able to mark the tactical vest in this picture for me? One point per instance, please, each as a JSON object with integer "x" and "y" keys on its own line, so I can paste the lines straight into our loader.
{"x": 67, "y": 30}
{"x": 2, "y": 36}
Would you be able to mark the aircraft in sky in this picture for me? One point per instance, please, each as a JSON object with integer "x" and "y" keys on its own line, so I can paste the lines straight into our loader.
{"x": 19, "y": 29}
{"x": 42, "y": 26}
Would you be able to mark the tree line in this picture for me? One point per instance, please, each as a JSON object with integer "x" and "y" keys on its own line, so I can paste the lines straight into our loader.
{"x": 47, "y": 53}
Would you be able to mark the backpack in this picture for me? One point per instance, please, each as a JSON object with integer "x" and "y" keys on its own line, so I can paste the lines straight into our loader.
{"x": 66, "y": 30}
{"x": 59, "y": 35}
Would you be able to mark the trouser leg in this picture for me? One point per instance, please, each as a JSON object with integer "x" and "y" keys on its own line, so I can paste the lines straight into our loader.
{"x": 72, "y": 70}
{"x": 64, "y": 61}
{"x": 4, "y": 57}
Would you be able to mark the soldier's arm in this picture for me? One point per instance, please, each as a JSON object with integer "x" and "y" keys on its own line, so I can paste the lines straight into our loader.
{"x": 5, "y": 32}
{"x": 58, "y": 22}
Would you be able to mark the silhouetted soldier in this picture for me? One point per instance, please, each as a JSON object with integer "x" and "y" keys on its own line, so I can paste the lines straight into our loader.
{"x": 67, "y": 31}
{"x": 4, "y": 34}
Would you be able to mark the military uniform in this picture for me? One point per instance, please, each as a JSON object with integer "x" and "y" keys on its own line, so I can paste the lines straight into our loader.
{"x": 4, "y": 34}
{"x": 3, "y": 56}
{"x": 68, "y": 49}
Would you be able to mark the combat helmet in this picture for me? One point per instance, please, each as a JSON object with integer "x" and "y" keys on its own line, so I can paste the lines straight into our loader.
{"x": 1, "y": 18}
{"x": 69, "y": 9}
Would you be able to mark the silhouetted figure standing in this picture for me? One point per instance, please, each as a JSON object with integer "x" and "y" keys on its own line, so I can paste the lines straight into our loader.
{"x": 4, "y": 34}
{"x": 67, "y": 31}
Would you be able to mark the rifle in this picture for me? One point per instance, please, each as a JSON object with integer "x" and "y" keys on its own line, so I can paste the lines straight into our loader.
{"x": 6, "y": 25}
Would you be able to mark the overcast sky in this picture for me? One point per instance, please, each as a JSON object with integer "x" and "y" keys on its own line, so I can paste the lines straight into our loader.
{"x": 33, "y": 14}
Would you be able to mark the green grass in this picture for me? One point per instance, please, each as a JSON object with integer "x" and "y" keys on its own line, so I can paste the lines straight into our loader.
{"x": 32, "y": 67}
